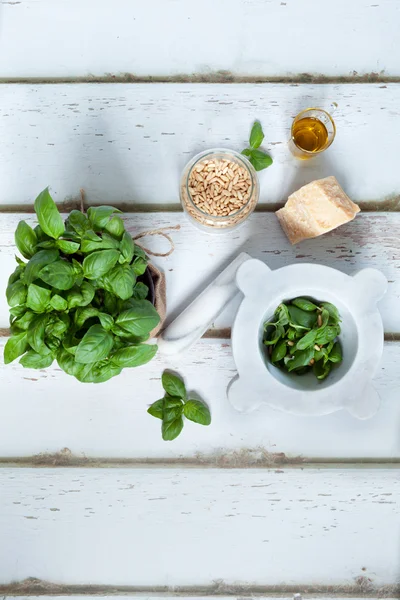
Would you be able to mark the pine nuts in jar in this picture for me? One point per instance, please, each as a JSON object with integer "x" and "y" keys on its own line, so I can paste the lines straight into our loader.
{"x": 219, "y": 189}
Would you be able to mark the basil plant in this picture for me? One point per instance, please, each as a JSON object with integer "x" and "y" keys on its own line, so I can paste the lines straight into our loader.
{"x": 76, "y": 298}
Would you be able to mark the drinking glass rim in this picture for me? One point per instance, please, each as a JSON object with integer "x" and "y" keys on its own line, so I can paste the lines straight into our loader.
{"x": 302, "y": 112}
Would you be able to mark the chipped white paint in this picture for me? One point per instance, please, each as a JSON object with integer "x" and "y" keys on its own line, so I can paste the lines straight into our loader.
{"x": 154, "y": 527}
{"x": 371, "y": 240}
{"x": 51, "y": 410}
{"x": 169, "y": 37}
{"x": 129, "y": 143}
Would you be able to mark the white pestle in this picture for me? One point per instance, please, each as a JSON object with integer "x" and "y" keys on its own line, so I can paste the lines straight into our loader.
{"x": 190, "y": 325}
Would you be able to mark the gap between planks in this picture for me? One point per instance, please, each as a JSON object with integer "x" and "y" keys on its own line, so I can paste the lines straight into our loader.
{"x": 386, "y": 204}
{"x": 241, "y": 459}
{"x": 221, "y": 76}
{"x": 361, "y": 588}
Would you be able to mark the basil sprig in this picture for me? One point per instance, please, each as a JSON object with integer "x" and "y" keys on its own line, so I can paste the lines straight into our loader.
{"x": 175, "y": 405}
{"x": 77, "y": 299}
{"x": 258, "y": 158}
{"x": 302, "y": 336}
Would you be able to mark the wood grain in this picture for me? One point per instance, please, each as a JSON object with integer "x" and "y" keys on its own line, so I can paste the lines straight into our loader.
{"x": 128, "y": 143}
{"x": 45, "y": 411}
{"x": 171, "y": 37}
{"x": 371, "y": 240}
{"x": 189, "y": 528}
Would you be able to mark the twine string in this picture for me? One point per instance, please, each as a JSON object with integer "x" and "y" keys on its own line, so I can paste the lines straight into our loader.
{"x": 161, "y": 231}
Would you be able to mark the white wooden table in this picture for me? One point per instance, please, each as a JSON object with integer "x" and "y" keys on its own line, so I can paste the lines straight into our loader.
{"x": 115, "y": 98}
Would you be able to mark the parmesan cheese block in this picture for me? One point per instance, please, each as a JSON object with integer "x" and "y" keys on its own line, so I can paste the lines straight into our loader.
{"x": 315, "y": 209}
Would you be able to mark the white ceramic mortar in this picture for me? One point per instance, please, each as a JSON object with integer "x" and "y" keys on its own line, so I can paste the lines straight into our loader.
{"x": 349, "y": 385}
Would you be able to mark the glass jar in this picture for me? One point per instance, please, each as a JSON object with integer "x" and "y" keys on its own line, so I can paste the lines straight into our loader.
{"x": 227, "y": 199}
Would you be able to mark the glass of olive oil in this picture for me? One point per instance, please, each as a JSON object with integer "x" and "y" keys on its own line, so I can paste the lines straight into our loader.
{"x": 313, "y": 131}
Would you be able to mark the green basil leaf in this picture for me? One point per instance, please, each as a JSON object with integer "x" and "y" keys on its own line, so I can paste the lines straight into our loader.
{"x": 173, "y": 385}
{"x": 171, "y": 413}
{"x": 59, "y": 274}
{"x": 15, "y": 346}
{"x": 80, "y": 296}
{"x": 115, "y": 227}
{"x": 83, "y": 314}
{"x": 25, "y": 239}
{"x": 327, "y": 335}
{"x": 282, "y": 314}
{"x": 16, "y": 293}
{"x": 37, "y": 262}
{"x": 100, "y": 215}
{"x": 95, "y": 345}
{"x": 321, "y": 355}
{"x": 91, "y": 242}
{"x": 196, "y": 411}
{"x": 335, "y": 355}
{"x": 48, "y": 216}
{"x": 47, "y": 244}
{"x": 16, "y": 275}
{"x": 140, "y": 319}
{"x": 301, "y": 317}
{"x": 140, "y": 291}
{"x": 40, "y": 234}
{"x": 67, "y": 363}
{"x": 98, "y": 372}
{"x": 293, "y": 334}
{"x": 99, "y": 263}
{"x": 321, "y": 370}
{"x": 70, "y": 343}
{"x": 77, "y": 268}
{"x": 324, "y": 319}
{"x": 304, "y": 304}
{"x": 134, "y": 356}
{"x": 67, "y": 247}
{"x": 25, "y": 320}
{"x": 17, "y": 311}
{"x": 58, "y": 325}
{"x": 110, "y": 303}
{"x": 279, "y": 351}
{"x": 139, "y": 266}
{"x": 36, "y": 334}
{"x": 171, "y": 429}
{"x": 260, "y": 160}
{"x": 78, "y": 222}
{"x": 256, "y": 135}
{"x": 140, "y": 252}
{"x": 120, "y": 281}
{"x": 307, "y": 341}
{"x": 58, "y": 302}
{"x": 127, "y": 247}
{"x": 332, "y": 310}
{"x": 38, "y": 298}
{"x": 33, "y": 360}
{"x": 157, "y": 409}
{"x": 300, "y": 359}
{"x": 246, "y": 152}
{"x": 274, "y": 331}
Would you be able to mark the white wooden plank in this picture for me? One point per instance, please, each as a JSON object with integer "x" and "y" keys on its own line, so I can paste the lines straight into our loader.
{"x": 171, "y": 37}
{"x": 129, "y": 143}
{"x": 51, "y": 410}
{"x": 371, "y": 240}
{"x": 151, "y": 527}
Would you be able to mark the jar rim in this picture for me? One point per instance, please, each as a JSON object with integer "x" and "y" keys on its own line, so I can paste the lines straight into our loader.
{"x": 214, "y": 151}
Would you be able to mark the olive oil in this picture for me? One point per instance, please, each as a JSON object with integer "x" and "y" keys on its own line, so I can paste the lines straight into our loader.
{"x": 310, "y": 134}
